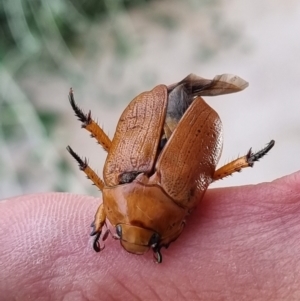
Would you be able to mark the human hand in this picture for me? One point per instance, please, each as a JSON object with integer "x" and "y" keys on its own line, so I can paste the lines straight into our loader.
{"x": 241, "y": 243}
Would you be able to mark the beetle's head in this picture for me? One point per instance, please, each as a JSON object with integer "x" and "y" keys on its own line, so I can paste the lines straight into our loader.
{"x": 138, "y": 240}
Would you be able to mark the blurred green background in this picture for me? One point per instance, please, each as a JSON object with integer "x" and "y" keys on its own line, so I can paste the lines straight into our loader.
{"x": 110, "y": 51}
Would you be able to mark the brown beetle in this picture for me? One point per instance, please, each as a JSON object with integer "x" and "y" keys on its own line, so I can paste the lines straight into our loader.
{"x": 160, "y": 162}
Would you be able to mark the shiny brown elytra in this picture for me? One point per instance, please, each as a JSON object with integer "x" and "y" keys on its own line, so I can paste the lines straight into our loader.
{"x": 160, "y": 161}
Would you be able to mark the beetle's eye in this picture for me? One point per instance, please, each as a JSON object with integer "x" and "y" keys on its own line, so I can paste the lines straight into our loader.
{"x": 119, "y": 230}
{"x": 154, "y": 240}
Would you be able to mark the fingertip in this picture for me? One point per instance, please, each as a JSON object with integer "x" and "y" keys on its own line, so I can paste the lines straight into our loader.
{"x": 290, "y": 182}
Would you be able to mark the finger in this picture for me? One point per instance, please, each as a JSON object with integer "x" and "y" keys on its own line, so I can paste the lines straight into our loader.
{"x": 231, "y": 243}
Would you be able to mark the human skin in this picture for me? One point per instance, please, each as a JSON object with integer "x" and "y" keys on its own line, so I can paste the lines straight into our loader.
{"x": 241, "y": 243}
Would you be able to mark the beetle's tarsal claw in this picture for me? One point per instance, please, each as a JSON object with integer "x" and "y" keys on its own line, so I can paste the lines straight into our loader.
{"x": 94, "y": 232}
{"x": 96, "y": 244}
{"x": 157, "y": 255}
{"x": 82, "y": 163}
{"x": 78, "y": 112}
{"x": 253, "y": 157}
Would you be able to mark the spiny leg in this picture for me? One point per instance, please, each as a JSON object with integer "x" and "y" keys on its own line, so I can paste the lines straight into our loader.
{"x": 100, "y": 216}
{"x": 83, "y": 165}
{"x": 89, "y": 124}
{"x": 242, "y": 162}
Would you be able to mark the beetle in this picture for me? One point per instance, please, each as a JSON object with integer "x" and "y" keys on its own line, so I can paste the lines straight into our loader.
{"x": 160, "y": 162}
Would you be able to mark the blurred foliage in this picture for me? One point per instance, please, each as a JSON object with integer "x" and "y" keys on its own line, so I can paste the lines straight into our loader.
{"x": 23, "y": 22}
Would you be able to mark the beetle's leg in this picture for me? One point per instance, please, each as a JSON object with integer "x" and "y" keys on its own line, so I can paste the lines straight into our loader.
{"x": 89, "y": 124}
{"x": 83, "y": 165}
{"x": 97, "y": 225}
{"x": 242, "y": 162}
